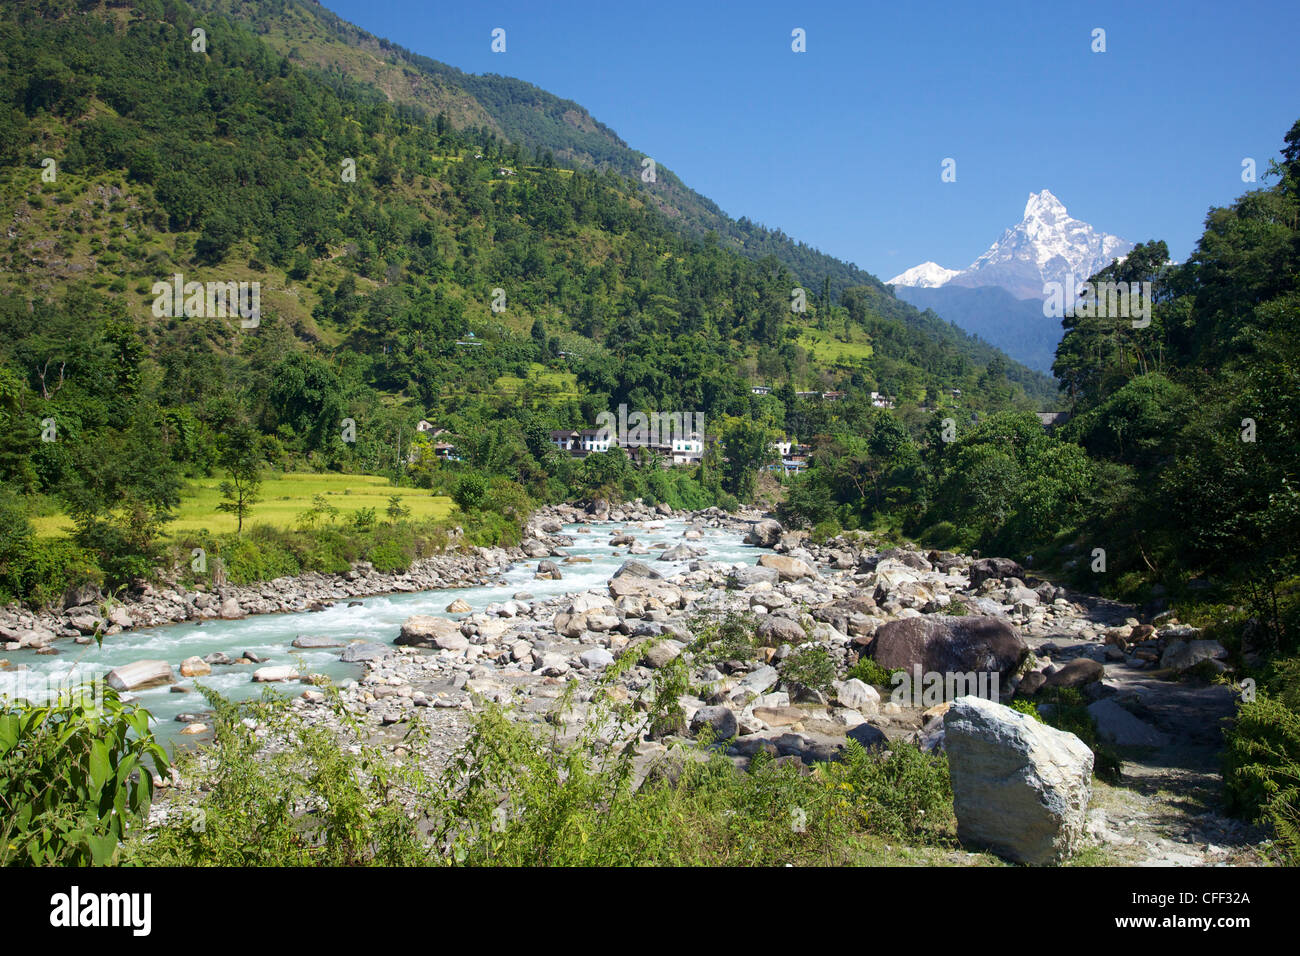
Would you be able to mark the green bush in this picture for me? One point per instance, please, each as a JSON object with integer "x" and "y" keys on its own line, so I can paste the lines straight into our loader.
{"x": 75, "y": 777}
{"x": 258, "y": 557}
{"x": 809, "y": 668}
{"x": 1024, "y": 705}
{"x": 727, "y": 638}
{"x": 1262, "y": 769}
{"x": 389, "y": 557}
{"x": 869, "y": 672}
{"x": 825, "y": 530}
{"x": 515, "y": 795}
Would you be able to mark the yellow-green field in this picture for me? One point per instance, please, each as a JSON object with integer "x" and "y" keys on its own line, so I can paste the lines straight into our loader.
{"x": 562, "y": 385}
{"x": 283, "y": 499}
{"x": 826, "y": 348}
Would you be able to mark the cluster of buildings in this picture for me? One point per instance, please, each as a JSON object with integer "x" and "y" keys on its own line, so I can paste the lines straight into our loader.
{"x": 877, "y": 399}
{"x": 686, "y": 449}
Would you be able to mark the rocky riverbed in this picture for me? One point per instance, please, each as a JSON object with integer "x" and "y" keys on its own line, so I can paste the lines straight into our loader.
{"x": 921, "y": 613}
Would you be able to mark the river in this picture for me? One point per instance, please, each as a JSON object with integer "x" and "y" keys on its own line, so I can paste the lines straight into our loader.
{"x": 375, "y": 619}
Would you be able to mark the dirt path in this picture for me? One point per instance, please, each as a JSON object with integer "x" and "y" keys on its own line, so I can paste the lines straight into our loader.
{"x": 1168, "y": 808}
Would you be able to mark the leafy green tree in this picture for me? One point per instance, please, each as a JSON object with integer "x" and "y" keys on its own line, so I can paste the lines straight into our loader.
{"x": 241, "y": 457}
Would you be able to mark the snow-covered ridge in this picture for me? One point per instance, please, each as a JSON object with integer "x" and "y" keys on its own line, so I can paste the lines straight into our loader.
{"x": 1047, "y": 245}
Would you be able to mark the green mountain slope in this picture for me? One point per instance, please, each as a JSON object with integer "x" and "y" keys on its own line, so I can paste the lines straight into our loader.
{"x": 521, "y": 113}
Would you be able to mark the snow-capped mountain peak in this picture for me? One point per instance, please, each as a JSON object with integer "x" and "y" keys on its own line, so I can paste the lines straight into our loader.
{"x": 928, "y": 275}
{"x": 1047, "y": 245}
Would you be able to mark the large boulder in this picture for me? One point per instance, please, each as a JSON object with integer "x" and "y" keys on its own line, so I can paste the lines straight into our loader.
{"x": 943, "y": 644}
{"x": 637, "y": 569}
{"x": 765, "y": 533}
{"x": 141, "y": 674}
{"x": 788, "y": 568}
{"x": 987, "y": 568}
{"x": 1077, "y": 673}
{"x": 195, "y": 667}
{"x": 773, "y": 631}
{"x": 1020, "y": 787}
{"x": 749, "y": 575}
{"x": 1181, "y": 655}
{"x": 359, "y": 651}
{"x": 720, "y": 721}
{"x": 425, "y": 630}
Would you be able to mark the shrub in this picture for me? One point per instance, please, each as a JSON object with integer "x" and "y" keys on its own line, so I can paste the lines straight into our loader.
{"x": 809, "y": 668}
{"x": 1262, "y": 769}
{"x": 728, "y": 638}
{"x": 1024, "y": 705}
{"x": 869, "y": 672}
{"x": 74, "y": 777}
{"x": 825, "y": 530}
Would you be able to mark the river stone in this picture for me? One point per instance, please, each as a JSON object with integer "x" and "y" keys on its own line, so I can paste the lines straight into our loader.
{"x": 720, "y": 719}
{"x": 364, "y": 651}
{"x": 660, "y": 652}
{"x": 637, "y": 569}
{"x": 1020, "y": 787}
{"x": 987, "y": 568}
{"x": 760, "y": 679}
{"x": 765, "y": 533}
{"x": 1181, "y": 655}
{"x": 120, "y": 616}
{"x": 1117, "y": 725}
{"x": 80, "y": 595}
{"x": 140, "y": 674}
{"x": 939, "y": 643}
{"x": 459, "y": 606}
{"x": 749, "y": 575}
{"x": 857, "y": 695}
{"x": 423, "y": 630}
{"x": 195, "y": 667}
{"x": 35, "y": 637}
{"x": 867, "y": 735}
{"x": 275, "y": 674}
{"x": 1077, "y": 673}
{"x": 306, "y": 641}
{"x": 789, "y": 569}
{"x": 596, "y": 658}
{"x": 774, "y": 631}
{"x": 230, "y": 610}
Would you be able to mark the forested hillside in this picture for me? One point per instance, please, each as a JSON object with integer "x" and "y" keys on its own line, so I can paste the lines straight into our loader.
{"x": 406, "y": 270}
{"x": 525, "y": 120}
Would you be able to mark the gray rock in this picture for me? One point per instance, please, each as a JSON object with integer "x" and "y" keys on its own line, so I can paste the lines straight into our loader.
{"x": 989, "y": 568}
{"x": 1182, "y": 655}
{"x": 1117, "y": 725}
{"x": 364, "y": 651}
{"x": 867, "y": 735}
{"x": 942, "y": 644}
{"x": 596, "y": 659}
{"x": 773, "y": 631}
{"x": 765, "y": 533}
{"x": 1077, "y": 673}
{"x": 720, "y": 719}
{"x": 315, "y": 640}
{"x": 1020, "y": 787}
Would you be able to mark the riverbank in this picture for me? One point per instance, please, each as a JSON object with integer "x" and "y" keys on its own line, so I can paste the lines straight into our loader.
{"x": 86, "y": 612}
{"x": 844, "y": 601}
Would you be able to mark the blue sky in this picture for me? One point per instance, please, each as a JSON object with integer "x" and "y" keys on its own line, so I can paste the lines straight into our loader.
{"x": 841, "y": 146}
